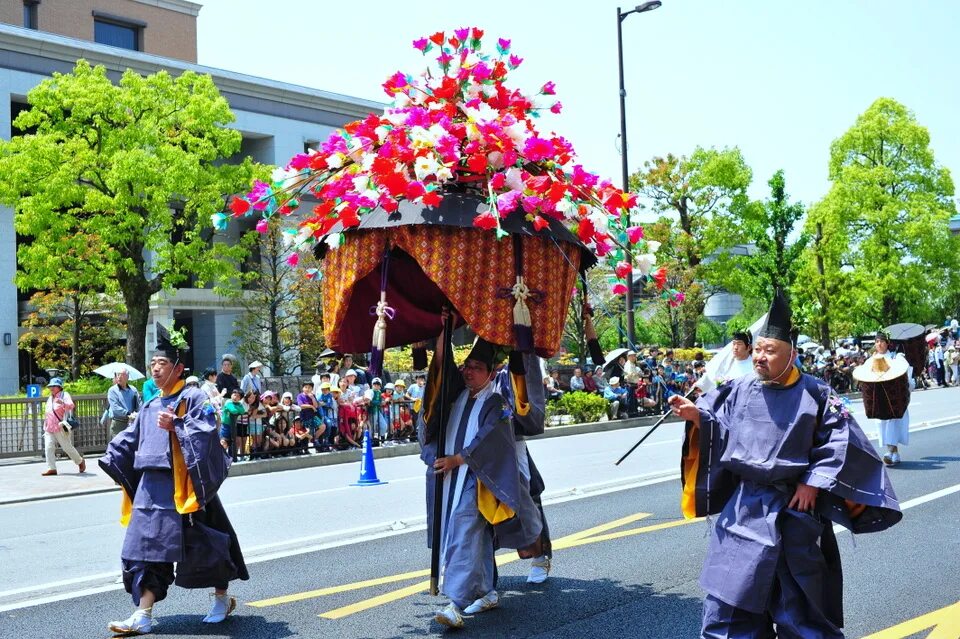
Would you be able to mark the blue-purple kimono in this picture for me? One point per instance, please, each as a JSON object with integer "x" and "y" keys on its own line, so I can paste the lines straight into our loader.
{"x": 755, "y": 443}
{"x": 203, "y": 543}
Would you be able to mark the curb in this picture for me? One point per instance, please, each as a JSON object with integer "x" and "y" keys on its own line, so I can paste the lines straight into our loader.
{"x": 300, "y": 462}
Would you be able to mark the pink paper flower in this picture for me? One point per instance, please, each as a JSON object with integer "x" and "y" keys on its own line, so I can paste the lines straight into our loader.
{"x": 634, "y": 234}
{"x": 263, "y": 226}
{"x": 555, "y": 107}
{"x": 549, "y": 89}
{"x": 293, "y": 259}
{"x": 619, "y": 289}
{"x": 421, "y": 45}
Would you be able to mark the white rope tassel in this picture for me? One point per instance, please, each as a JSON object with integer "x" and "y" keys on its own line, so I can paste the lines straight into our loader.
{"x": 521, "y": 312}
{"x": 380, "y": 328}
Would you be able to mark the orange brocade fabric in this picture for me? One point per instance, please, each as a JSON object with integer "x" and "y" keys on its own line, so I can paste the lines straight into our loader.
{"x": 470, "y": 266}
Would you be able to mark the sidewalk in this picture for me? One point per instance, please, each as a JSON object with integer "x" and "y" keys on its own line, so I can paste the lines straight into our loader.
{"x": 21, "y": 480}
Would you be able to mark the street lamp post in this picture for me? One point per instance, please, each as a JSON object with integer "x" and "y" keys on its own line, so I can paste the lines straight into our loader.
{"x": 641, "y": 8}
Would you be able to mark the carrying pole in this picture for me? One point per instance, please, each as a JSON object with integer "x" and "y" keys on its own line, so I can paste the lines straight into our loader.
{"x": 441, "y": 446}
{"x": 655, "y": 426}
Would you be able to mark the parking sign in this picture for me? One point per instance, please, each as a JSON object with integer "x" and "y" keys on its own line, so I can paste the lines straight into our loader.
{"x": 33, "y": 390}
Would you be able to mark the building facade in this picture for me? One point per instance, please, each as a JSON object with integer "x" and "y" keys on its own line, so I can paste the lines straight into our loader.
{"x": 277, "y": 120}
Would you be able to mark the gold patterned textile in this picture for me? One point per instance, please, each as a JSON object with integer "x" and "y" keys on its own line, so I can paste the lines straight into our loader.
{"x": 469, "y": 266}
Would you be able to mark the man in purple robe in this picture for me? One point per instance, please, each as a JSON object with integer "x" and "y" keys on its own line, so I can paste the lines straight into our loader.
{"x": 486, "y": 495}
{"x": 170, "y": 465}
{"x": 780, "y": 459}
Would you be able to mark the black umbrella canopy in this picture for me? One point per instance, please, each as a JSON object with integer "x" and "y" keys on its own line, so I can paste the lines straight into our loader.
{"x": 458, "y": 210}
{"x": 904, "y": 331}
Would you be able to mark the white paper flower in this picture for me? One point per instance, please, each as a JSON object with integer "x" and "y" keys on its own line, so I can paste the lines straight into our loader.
{"x": 645, "y": 262}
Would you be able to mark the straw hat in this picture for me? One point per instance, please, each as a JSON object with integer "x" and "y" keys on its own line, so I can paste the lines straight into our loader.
{"x": 880, "y": 368}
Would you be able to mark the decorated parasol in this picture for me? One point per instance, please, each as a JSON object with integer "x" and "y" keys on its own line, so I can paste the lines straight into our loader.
{"x": 450, "y": 200}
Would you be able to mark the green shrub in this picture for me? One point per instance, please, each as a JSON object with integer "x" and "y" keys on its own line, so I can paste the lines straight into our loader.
{"x": 88, "y": 386}
{"x": 583, "y": 407}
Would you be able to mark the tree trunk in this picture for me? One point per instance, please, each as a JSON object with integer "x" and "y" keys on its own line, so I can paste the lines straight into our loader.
{"x": 138, "y": 311}
{"x": 75, "y": 338}
{"x": 824, "y": 322}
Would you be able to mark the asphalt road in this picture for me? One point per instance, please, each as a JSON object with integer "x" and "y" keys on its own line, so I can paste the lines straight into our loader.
{"x": 635, "y": 575}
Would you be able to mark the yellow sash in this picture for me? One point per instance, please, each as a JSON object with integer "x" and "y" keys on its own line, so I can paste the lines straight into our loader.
{"x": 520, "y": 403}
{"x": 492, "y": 509}
{"x": 184, "y": 497}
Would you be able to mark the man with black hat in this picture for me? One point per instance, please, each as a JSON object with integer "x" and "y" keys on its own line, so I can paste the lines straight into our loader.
{"x": 781, "y": 459}
{"x": 485, "y": 492}
{"x": 170, "y": 465}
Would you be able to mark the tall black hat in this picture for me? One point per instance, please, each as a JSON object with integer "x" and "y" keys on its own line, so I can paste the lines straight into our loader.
{"x": 484, "y": 351}
{"x": 744, "y": 336}
{"x": 169, "y": 345}
{"x": 779, "y": 323}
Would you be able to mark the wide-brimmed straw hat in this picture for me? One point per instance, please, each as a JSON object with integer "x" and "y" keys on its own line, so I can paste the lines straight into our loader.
{"x": 880, "y": 368}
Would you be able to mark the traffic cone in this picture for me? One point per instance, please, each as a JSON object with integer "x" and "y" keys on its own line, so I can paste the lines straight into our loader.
{"x": 368, "y": 472}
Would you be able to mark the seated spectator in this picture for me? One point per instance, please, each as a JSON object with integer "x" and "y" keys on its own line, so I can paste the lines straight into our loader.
{"x": 599, "y": 379}
{"x": 301, "y": 436}
{"x": 617, "y": 396}
{"x": 589, "y": 383}
{"x": 550, "y": 388}
{"x": 576, "y": 382}
{"x": 276, "y": 436}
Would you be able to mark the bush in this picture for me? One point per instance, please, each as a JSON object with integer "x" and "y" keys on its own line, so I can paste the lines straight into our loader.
{"x": 88, "y": 386}
{"x": 583, "y": 407}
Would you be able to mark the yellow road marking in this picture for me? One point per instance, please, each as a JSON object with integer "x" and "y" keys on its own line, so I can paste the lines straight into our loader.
{"x": 943, "y": 624}
{"x": 332, "y": 590}
{"x": 379, "y": 600}
{"x": 583, "y": 537}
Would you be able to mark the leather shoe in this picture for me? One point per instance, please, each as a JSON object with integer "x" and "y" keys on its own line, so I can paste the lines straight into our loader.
{"x": 48, "y": 473}
{"x": 83, "y": 466}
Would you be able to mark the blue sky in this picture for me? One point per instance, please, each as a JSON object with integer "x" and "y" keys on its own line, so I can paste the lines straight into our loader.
{"x": 780, "y": 80}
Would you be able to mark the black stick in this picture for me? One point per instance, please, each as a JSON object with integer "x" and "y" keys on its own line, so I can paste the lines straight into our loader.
{"x": 655, "y": 426}
{"x": 441, "y": 446}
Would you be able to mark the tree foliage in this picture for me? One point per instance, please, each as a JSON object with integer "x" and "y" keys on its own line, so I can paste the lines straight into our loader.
{"x": 769, "y": 259}
{"x": 694, "y": 196}
{"x": 134, "y": 169}
{"x": 882, "y": 251}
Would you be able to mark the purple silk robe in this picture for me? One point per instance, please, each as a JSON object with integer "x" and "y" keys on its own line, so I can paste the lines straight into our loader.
{"x": 755, "y": 443}
{"x": 139, "y": 459}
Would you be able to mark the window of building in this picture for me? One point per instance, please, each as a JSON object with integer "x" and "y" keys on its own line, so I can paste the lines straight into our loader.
{"x": 118, "y": 32}
{"x": 30, "y": 14}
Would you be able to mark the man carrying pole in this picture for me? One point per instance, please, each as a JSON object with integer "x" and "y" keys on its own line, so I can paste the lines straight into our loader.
{"x": 477, "y": 480}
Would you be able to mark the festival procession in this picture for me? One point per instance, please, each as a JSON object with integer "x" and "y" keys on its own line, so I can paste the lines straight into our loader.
{"x": 293, "y": 363}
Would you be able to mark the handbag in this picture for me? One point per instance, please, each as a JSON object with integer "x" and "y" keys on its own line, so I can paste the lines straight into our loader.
{"x": 69, "y": 424}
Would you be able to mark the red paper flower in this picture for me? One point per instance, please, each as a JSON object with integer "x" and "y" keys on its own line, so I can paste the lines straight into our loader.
{"x": 660, "y": 277}
{"x": 623, "y": 269}
{"x": 486, "y": 221}
{"x": 635, "y": 234}
{"x": 539, "y": 223}
{"x": 239, "y": 206}
{"x": 619, "y": 289}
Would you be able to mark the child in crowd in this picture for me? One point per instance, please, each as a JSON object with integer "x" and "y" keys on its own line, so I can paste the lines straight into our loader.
{"x": 233, "y": 408}
{"x": 327, "y": 411}
{"x": 255, "y": 415}
{"x": 301, "y": 436}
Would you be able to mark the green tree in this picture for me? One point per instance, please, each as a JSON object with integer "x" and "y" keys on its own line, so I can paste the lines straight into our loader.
{"x": 882, "y": 251}
{"x": 693, "y": 195}
{"x": 136, "y": 167}
{"x": 773, "y": 261}
{"x": 268, "y": 329}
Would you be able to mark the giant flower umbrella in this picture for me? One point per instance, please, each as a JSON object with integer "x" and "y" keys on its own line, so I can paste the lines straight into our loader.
{"x": 410, "y": 209}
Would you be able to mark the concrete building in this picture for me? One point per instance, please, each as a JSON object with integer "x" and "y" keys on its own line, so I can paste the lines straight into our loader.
{"x": 277, "y": 120}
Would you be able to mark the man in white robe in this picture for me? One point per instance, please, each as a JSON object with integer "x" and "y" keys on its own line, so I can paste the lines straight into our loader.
{"x": 893, "y": 432}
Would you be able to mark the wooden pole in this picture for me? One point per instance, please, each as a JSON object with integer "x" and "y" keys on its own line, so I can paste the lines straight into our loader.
{"x": 441, "y": 446}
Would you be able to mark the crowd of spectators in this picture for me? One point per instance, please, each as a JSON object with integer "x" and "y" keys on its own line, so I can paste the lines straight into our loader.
{"x": 633, "y": 383}
{"x": 331, "y": 413}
